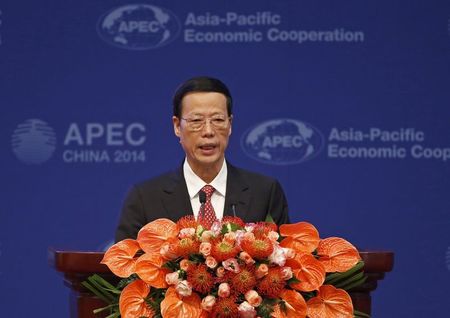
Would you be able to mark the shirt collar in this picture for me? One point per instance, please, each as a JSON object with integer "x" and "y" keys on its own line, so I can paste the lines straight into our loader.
{"x": 195, "y": 183}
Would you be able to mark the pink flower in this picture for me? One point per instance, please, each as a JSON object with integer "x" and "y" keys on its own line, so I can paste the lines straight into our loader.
{"x": 224, "y": 290}
{"x": 211, "y": 262}
{"x": 249, "y": 227}
{"x": 184, "y": 264}
{"x": 216, "y": 228}
{"x": 187, "y": 232}
{"x": 206, "y": 236}
{"x": 246, "y": 310}
{"x": 172, "y": 278}
{"x": 184, "y": 288}
{"x": 230, "y": 237}
{"x": 273, "y": 236}
{"x": 278, "y": 256}
{"x": 220, "y": 271}
{"x": 286, "y": 273}
{"x": 205, "y": 248}
{"x": 231, "y": 265}
{"x": 208, "y": 302}
{"x": 289, "y": 252}
{"x": 253, "y": 298}
{"x": 239, "y": 236}
{"x": 249, "y": 236}
{"x": 244, "y": 256}
{"x": 261, "y": 271}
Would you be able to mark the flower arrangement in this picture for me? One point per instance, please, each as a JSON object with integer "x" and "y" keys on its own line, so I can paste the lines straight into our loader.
{"x": 233, "y": 269}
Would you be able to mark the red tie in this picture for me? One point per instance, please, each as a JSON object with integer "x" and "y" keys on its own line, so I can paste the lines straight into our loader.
{"x": 207, "y": 216}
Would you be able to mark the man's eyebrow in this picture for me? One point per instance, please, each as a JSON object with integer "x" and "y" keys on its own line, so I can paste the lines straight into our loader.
{"x": 204, "y": 115}
{"x": 195, "y": 114}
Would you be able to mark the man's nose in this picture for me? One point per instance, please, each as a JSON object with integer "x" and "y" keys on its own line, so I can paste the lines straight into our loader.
{"x": 208, "y": 129}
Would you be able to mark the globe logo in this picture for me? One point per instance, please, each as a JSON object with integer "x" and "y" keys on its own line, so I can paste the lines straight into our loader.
{"x": 282, "y": 142}
{"x": 138, "y": 27}
{"x": 33, "y": 142}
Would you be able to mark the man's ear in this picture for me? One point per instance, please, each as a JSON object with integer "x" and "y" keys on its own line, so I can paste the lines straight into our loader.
{"x": 176, "y": 126}
{"x": 231, "y": 124}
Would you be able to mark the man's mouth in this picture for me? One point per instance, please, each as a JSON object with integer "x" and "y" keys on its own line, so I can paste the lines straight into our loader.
{"x": 208, "y": 147}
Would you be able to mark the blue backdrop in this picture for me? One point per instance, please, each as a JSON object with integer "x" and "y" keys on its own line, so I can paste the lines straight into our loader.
{"x": 347, "y": 103}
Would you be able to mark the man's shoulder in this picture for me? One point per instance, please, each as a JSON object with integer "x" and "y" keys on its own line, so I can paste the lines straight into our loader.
{"x": 250, "y": 176}
{"x": 165, "y": 179}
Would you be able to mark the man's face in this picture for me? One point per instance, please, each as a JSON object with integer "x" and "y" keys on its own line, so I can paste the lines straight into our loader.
{"x": 204, "y": 148}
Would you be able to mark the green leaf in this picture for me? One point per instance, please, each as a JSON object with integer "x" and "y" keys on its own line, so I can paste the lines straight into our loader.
{"x": 269, "y": 218}
{"x": 126, "y": 281}
{"x": 359, "y": 314}
{"x": 112, "y": 307}
{"x": 333, "y": 278}
{"x": 95, "y": 292}
{"x": 355, "y": 283}
{"x": 103, "y": 281}
{"x": 349, "y": 280}
{"x": 197, "y": 258}
{"x": 308, "y": 295}
{"x": 106, "y": 292}
{"x": 266, "y": 308}
{"x": 173, "y": 265}
{"x": 96, "y": 281}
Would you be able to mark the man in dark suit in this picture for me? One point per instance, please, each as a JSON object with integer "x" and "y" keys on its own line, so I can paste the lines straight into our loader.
{"x": 206, "y": 185}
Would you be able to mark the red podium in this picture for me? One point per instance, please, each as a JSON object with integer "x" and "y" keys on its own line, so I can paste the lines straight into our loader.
{"x": 78, "y": 266}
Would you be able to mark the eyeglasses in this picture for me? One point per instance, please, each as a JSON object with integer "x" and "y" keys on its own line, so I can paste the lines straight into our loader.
{"x": 197, "y": 123}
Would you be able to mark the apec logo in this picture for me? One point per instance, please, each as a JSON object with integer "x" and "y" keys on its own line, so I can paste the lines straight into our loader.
{"x": 138, "y": 27}
{"x": 33, "y": 142}
{"x": 282, "y": 142}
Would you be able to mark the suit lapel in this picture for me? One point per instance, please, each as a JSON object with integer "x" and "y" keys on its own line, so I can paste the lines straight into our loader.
{"x": 238, "y": 194}
{"x": 176, "y": 198}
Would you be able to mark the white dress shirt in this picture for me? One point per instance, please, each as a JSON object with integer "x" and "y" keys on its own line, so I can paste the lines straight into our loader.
{"x": 195, "y": 184}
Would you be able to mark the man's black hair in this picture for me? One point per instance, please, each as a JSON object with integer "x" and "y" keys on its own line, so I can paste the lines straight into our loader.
{"x": 200, "y": 84}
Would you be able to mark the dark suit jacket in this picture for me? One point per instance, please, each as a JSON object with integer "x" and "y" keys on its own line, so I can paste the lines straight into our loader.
{"x": 252, "y": 195}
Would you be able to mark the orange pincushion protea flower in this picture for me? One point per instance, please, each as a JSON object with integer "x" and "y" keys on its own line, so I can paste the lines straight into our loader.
{"x": 186, "y": 246}
{"x": 233, "y": 220}
{"x": 302, "y": 237}
{"x": 153, "y": 235}
{"x": 243, "y": 281}
{"x": 272, "y": 284}
{"x": 262, "y": 229}
{"x": 337, "y": 255}
{"x": 186, "y": 222}
{"x": 225, "y": 308}
{"x": 120, "y": 257}
{"x": 257, "y": 248}
{"x": 175, "y": 306}
{"x": 309, "y": 271}
{"x": 149, "y": 269}
{"x": 294, "y": 305}
{"x": 200, "y": 278}
{"x": 330, "y": 303}
{"x": 132, "y": 300}
{"x": 222, "y": 250}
